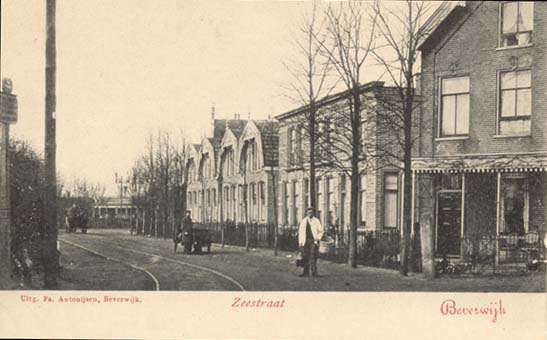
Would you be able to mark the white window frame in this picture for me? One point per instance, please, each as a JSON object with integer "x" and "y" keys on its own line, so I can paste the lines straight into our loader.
{"x": 499, "y": 118}
{"x": 441, "y": 107}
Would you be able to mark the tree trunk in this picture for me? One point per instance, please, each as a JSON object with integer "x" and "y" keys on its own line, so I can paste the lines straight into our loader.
{"x": 354, "y": 206}
{"x": 312, "y": 132}
{"x": 407, "y": 185}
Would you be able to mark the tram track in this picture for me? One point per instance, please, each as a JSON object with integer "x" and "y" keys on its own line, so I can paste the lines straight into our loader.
{"x": 109, "y": 258}
{"x": 153, "y": 257}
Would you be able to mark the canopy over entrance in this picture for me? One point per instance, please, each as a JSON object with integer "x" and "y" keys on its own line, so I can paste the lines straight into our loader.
{"x": 485, "y": 163}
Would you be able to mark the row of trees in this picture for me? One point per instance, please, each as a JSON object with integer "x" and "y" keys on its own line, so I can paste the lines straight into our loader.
{"x": 337, "y": 45}
{"x": 156, "y": 184}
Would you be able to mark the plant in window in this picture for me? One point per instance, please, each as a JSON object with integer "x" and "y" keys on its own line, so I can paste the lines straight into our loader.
{"x": 516, "y": 23}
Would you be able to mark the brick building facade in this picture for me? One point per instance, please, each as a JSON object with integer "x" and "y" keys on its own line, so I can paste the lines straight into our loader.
{"x": 481, "y": 161}
{"x": 379, "y": 191}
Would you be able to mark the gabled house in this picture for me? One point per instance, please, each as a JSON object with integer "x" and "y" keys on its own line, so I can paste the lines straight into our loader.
{"x": 479, "y": 169}
{"x": 231, "y": 176}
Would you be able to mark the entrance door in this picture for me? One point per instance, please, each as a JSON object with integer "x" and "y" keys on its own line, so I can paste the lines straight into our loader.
{"x": 449, "y": 223}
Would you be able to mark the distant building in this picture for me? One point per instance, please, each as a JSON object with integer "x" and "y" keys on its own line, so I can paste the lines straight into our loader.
{"x": 231, "y": 174}
{"x": 480, "y": 165}
{"x": 114, "y": 207}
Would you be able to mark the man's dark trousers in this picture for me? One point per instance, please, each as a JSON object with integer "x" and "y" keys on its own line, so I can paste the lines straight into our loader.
{"x": 310, "y": 253}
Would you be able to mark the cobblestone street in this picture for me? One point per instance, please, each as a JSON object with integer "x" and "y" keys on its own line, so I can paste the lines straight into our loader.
{"x": 122, "y": 261}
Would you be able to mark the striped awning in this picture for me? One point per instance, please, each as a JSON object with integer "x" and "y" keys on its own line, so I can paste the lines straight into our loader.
{"x": 513, "y": 163}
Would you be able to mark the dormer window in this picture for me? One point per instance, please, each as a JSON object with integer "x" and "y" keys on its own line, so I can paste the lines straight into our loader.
{"x": 516, "y": 23}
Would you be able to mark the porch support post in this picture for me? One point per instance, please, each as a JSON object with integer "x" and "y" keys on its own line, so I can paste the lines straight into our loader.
{"x": 402, "y": 218}
{"x": 413, "y": 205}
{"x": 498, "y": 217}
{"x": 462, "y": 228}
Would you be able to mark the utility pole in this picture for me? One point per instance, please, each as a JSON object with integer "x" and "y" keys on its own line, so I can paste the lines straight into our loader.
{"x": 49, "y": 252}
{"x": 8, "y": 114}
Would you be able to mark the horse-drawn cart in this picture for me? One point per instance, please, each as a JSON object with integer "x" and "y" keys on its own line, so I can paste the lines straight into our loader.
{"x": 76, "y": 218}
{"x": 197, "y": 238}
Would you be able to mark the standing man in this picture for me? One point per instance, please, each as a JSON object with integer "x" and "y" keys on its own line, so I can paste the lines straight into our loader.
{"x": 310, "y": 233}
{"x": 188, "y": 232}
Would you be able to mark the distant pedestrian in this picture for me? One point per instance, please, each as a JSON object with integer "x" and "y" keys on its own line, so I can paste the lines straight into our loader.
{"x": 310, "y": 233}
{"x": 188, "y": 232}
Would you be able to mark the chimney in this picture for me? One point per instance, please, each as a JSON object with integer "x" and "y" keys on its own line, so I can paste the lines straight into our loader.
{"x": 211, "y": 129}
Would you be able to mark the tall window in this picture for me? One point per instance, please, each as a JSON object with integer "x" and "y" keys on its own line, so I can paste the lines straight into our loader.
{"x": 234, "y": 202}
{"x": 342, "y": 200}
{"x": 515, "y": 102}
{"x": 305, "y": 193}
{"x": 292, "y": 147}
{"x": 390, "y": 200}
{"x": 455, "y": 106}
{"x": 285, "y": 203}
{"x": 227, "y": 199}
{"x": 363, "y": 199}
{"x": 262, "y": 201}
{"x": 253, "y": 200}
{"x": 330, "y": 201}
{"x": 516, "y": 23}
{"x": 318, "y": 200}
{"x": 295, "y": 195}
{"x": 298, "y": 148}
{"x": 255, "y": 156}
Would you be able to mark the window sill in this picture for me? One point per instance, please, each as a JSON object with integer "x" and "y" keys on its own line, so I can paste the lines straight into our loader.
{"x": 513, "y": 47}
{"x": 442, "y": 139}
{"x": 512, "y": 136}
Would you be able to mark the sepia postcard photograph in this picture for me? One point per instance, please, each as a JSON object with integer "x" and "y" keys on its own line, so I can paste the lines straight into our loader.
{"x": 182, "y": 169}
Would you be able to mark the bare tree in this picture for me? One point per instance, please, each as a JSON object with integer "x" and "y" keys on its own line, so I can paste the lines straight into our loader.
{"x": 349, "y": 44}
{"x": 311, "y": 81}
{"x": 401, "y": 33}
{"x": 157, "y": 182}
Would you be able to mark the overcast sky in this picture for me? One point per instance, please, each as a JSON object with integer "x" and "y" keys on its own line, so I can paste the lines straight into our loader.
{"x": 127, "y": 67}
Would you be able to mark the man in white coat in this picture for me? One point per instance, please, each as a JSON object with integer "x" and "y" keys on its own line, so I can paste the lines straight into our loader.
{"x": 310, "y": 233}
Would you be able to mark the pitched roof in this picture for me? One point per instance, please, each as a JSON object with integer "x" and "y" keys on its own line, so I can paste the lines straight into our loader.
{"x": 237, "y": 126}
{"x": 269, "y": 131}
{"x": 436, "y": 20}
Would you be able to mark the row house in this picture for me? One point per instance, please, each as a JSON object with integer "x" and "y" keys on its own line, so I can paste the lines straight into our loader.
{"x": 480, "y": 164}
{"x": 379, "y": 187}
{"x": 231, "y": 175}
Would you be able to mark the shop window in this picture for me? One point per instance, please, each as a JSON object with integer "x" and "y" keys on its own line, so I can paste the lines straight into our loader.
{"x": 516, "y": 23}
{"x": 515, "y": 102}
{"x": 454, "y": 106}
